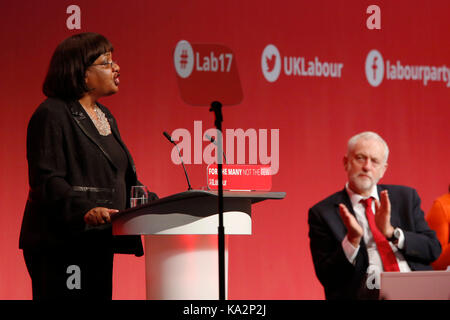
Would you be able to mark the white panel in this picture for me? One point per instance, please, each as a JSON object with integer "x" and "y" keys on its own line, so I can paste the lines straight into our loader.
{"x": 183, "y": 267}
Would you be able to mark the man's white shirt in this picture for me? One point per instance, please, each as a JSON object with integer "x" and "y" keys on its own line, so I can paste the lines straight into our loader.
{"x": 374, "y": 257}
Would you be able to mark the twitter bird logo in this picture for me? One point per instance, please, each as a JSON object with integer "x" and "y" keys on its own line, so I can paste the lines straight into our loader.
{"x": 271, "y": 63}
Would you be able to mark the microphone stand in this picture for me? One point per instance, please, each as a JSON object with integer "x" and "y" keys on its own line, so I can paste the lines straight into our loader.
{"x": 215, "y": 143}
{"x": 216, "y": 107}
{"x": 165, "y": 134}
{"x": 185, "y": 172}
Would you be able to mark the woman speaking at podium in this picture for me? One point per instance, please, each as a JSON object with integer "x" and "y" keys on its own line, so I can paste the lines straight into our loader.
{"x": 80, "y": 174}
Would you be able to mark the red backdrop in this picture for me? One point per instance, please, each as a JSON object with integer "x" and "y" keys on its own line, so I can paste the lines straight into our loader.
{"x": 315, "y": 115}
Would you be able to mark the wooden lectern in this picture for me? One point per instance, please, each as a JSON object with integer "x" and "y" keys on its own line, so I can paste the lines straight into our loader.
{"x": 181, "y": 239}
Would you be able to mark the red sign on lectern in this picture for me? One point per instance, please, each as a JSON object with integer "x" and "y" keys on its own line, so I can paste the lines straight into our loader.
{"x": 207, "y": 73}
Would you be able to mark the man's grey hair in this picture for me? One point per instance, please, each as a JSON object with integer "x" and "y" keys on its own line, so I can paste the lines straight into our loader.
{"x": 367, "y": 135}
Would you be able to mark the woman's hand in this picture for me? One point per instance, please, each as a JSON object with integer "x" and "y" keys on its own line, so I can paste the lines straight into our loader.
{"x": 99, "y": 215}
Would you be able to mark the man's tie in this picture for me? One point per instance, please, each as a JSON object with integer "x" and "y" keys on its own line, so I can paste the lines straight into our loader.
{"x": 383, "y": 246}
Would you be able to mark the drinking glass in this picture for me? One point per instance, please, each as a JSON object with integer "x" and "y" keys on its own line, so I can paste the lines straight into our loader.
{"x": 139, "y": 196}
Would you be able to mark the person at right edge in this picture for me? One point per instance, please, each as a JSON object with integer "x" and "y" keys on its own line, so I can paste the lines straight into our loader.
{"x": 367, "y": 228}
{"x": 439, "y": 220}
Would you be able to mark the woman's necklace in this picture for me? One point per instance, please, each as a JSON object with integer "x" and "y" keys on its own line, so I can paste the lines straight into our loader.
{"x": 100, "y": 121}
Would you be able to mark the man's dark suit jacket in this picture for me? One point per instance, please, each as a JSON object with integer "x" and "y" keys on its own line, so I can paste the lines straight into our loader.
{"x": 341, "y": 279}
{"x": 69, "y": 174}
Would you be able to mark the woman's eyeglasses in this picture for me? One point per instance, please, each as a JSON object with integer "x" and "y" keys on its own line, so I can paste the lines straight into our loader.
{"x": 110, "y": 64}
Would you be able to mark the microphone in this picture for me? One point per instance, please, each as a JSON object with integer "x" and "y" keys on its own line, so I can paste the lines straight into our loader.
{"x": 168, "y": 137}
{"x": 213, "y": 140}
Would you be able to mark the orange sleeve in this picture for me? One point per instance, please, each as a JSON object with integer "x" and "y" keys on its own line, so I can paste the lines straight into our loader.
{"x": 438, "y": 219}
